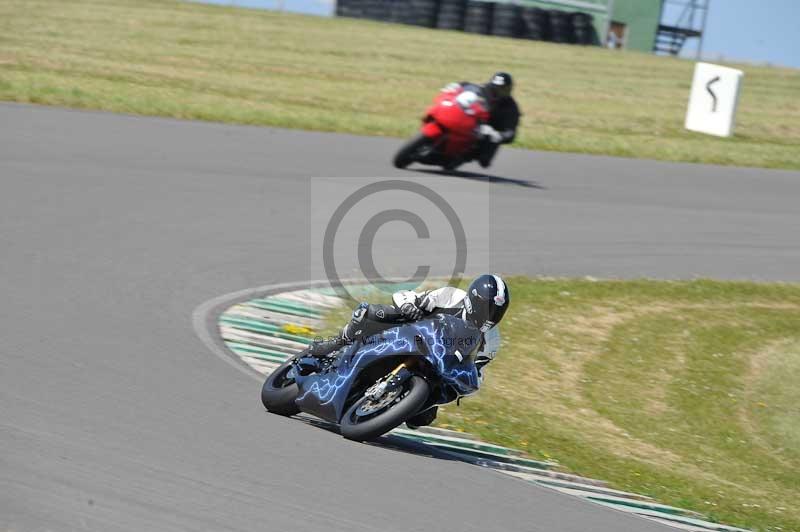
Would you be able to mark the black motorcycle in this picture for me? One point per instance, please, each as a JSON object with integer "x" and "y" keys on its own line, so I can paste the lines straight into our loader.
{"x": 374, "y": 385}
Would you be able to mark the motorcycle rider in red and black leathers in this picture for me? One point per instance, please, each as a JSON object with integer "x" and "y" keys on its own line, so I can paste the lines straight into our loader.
{"x": 483, "y": 305}
{"x": 503, "y": 118}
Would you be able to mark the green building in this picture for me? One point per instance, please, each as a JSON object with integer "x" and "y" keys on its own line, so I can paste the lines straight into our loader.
{"x": 644, "y": 25}
{"x": 631, "y": 24}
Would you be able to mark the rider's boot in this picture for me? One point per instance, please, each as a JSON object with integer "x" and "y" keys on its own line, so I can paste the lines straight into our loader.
{"x": 453, "y": 164}
{"x": 309, "y": 359}
{"x": 462, "y": 159}
{"x": 486, "y": 153}
{"x": 353, "y": 330}
{"x": 323, "y": 348}
{"x": 423, "y": 419}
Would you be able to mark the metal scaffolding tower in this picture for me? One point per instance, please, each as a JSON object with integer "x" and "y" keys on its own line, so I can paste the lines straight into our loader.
{"x": 681, "y": 20}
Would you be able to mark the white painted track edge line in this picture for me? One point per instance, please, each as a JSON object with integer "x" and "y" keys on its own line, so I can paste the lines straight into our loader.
{"x": 206, "y": 315}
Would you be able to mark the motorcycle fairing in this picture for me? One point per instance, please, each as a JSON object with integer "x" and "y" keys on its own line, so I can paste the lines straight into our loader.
{"x": 458, "y": 119}
{"x": 452, "y": 345}
{"x": 431, "y": 129}
{"x": 449, "y": 346}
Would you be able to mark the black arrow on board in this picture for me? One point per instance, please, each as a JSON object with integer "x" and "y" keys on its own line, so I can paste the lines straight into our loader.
{"x": 711, "y": 92}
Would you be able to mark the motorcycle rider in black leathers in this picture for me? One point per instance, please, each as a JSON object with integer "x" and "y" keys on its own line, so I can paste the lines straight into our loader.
{"x": 503, "y": 118}
{"x": 483, "y": 305}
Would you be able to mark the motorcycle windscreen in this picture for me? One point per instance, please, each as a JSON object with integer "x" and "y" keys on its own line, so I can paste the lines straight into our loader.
{"x": 492, "y": 345}
{"x": 452, "y": 347}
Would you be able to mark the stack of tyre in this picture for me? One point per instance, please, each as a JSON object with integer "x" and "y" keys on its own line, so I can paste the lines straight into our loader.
{"x": 504, "y": 19}
{"x": 583, "y": 29}
{"x": 561, "y": 29}
{"x": 478, "y": 17}
{"x": 415, "y": 12}
{"x": 376, "y": 9}
{"x": 535, "y": 23}
{"x": 451, "y": 14}
{"x": 349, "y": 8}
{"x": 421, "y": 12}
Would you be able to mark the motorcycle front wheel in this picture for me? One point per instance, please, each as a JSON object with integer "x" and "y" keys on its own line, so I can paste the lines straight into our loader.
{"x": 368, "y": 419}
{"x": 280, "y": 390}
{"x": 408, "y": 153}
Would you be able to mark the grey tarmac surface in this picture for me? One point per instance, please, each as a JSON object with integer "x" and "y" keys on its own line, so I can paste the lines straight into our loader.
{"x": 113, "y": 229}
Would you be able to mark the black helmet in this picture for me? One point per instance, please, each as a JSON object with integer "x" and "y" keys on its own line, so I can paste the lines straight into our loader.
{"x": 499, "y": 86}
{"x": 486, "y": 301}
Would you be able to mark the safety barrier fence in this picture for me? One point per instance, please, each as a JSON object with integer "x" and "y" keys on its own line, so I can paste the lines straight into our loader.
{"x": 504, "y": 19}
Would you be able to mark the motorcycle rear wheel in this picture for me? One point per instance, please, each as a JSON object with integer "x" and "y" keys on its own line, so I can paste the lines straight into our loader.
{"x": 364, "y": 428}
{"x": 279, "y": 391}
{"x": 407, "y": 154}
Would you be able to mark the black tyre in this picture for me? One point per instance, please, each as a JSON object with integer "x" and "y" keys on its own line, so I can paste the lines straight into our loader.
{"x": 561, "y": 29}
{"x": 478, "y": 17}
{"x": 536, "y": 23}
{"x": 377, "y": 10}
{"x": 581, "y": 20}
{"x": 360, "y": 425}
{"x": 279, "y": 391}
{"x": 422, "y": 419}
{"x": 423, "y": 13}
{"x": 451, "y": 15}
{"x": 506, "y": 20}
{"x": 408, "y": 153}
{"x": 401, "y": 11}
{"x": 583, "y": 29}
{"x": 350, "y": 8}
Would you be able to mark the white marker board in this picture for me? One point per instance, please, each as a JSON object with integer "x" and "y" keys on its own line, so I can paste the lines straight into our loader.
{"x": 713, "y": 99}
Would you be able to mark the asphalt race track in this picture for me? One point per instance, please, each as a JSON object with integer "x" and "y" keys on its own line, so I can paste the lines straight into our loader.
{"x": 113, "y": 229}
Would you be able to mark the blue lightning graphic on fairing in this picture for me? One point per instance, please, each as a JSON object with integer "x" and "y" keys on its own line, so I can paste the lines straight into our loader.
{"x": 325, "y": 389}
{"x": 438, "y": 350}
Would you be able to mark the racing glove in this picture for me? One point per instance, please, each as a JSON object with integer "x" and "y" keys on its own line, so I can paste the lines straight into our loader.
{"x": 452, "y": 87}
{"x": 483, "y": 357}
{"x": 488, "y": 132}
{"x": 413, "y": 305}
{"x": 481, "y": 360}
{"x": 411, "y": 311}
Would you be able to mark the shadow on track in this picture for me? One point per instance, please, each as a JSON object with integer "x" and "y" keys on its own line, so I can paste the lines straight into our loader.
{"x": 408, "y": 445}
{"x": 475, "y": 176}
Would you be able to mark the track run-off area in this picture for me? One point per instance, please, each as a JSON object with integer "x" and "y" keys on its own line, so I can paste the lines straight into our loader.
{"x": 114, "y": 415}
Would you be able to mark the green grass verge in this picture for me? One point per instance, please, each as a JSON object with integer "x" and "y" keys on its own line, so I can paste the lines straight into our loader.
{"x": 163, "y": 57}
{"x": 684, "y": 391}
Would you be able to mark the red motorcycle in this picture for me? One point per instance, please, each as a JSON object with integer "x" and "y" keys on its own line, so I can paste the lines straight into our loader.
{"x": 449, "y": 131}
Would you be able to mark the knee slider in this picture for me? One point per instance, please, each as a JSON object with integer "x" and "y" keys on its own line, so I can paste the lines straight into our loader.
{"x": 360, "y": 312}
{"x": 353, "y": 329}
